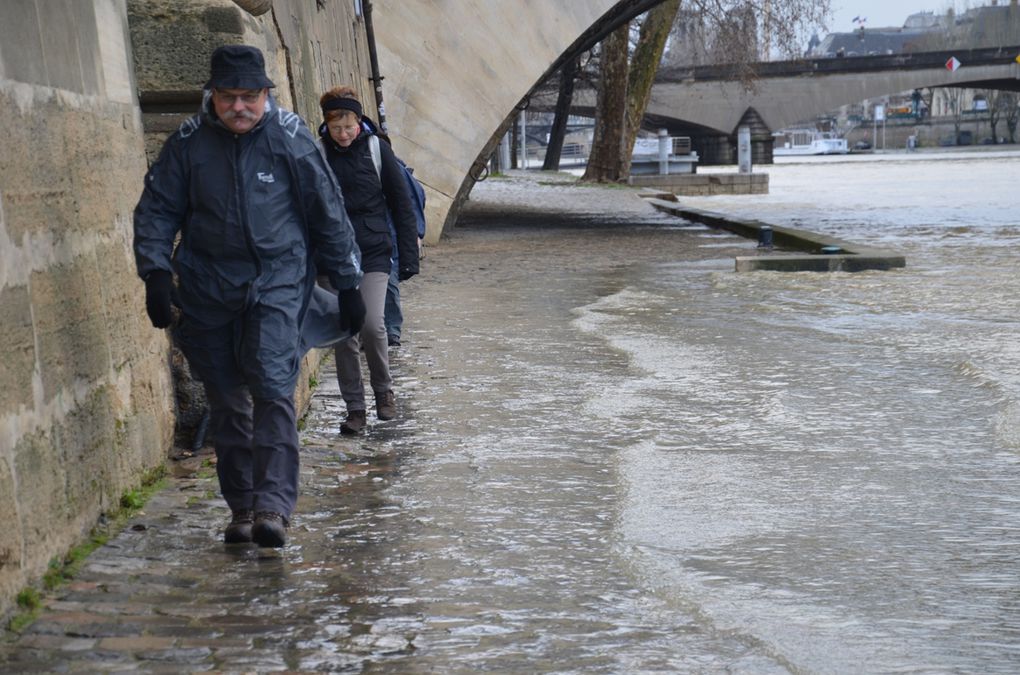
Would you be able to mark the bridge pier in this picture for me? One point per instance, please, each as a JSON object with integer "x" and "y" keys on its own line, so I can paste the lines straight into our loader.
{"x": 716, "y": 150}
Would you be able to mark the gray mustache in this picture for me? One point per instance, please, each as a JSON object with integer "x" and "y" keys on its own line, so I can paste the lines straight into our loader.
{"x": 243, "y": 114}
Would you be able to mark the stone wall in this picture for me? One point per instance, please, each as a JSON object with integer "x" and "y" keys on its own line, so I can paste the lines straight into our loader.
{"x": 308, "y": 48}
{"x": 85, "y": 395}
{"x": 87, "y": 87}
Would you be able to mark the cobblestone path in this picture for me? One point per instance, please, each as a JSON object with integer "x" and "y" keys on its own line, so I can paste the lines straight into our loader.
{"x": 165, "y": 595}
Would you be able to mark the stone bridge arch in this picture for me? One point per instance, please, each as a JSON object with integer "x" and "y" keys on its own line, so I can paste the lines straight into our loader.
{"x": 455, "y": 71}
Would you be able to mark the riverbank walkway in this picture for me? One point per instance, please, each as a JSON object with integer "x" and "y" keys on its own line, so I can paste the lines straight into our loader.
{"x": 166, "y": 595}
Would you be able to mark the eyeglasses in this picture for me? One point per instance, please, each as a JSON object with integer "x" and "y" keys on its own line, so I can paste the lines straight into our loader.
{"x": 347, "y": 130}
{"x": 230, "y": 99}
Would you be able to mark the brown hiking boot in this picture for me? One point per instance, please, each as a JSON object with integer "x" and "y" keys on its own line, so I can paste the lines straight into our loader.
{"x": 239, "y": 529}
{"x": 354, "y": 423}
{"x": 270, "y": 529}
{"x": 386, "y": 405}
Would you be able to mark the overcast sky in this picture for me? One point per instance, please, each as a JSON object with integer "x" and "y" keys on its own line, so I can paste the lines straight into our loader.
{"x": 884, "y": 13}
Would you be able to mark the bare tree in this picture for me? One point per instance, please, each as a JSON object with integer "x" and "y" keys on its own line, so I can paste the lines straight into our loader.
{"x": 740, "y": 32}
{"x": 954, "y": 105}
{"x": 726, "y": 31}
{"x": 562, "y": 114}
{"x": 994, "y": 99}
{"x": 605, "y": 160}
{"x": 1010, "y": 104}
{"x": 643, "y": 65}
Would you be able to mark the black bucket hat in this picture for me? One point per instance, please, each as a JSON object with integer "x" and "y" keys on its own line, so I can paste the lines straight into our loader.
{"x": 238, "y": 67}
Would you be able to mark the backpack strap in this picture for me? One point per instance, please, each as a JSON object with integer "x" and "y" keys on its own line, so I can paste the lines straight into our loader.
{"x": 373, "y": 146}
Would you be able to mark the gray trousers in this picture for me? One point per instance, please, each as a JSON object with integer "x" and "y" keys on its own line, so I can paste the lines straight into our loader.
{"x": 256, "y": 450}
{"x": 373, "y": 337}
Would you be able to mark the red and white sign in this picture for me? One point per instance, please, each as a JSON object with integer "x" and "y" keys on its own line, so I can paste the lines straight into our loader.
{"x": 953, "y": 63}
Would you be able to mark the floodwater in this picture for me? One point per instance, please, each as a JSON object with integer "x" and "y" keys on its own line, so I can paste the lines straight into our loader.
{"x": 615, "y": 454}
{"x": 629, "y": 458}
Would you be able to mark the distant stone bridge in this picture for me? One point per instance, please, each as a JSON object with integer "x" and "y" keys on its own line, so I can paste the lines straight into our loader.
{"x": 708, "y": 103}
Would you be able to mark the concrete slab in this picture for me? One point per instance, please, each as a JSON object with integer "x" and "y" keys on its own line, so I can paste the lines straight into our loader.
{"x": 693, "y": 184}
{"x": 823, "y": 253}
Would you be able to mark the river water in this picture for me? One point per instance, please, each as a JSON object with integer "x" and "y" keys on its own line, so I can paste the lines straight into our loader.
{"x": 618, "y": 455}
{"x": 831, "y": 469}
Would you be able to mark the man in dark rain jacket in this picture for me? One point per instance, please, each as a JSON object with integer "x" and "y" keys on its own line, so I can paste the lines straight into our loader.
{"x": 245, "y": 185}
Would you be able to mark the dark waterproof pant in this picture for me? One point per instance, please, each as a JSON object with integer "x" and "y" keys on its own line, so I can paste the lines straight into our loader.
{"x": 249, "y": 367}
{"x": 256, "y": 445}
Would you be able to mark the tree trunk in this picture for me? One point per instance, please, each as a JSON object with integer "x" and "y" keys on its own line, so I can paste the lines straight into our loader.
{"x": 993, "y": 96}
{"x": 605, "y": 160}
{"x": 559, "y": 125}
{"x": 643, "y": 66}
{"x": 515, "y": 140}
{"x": 1010, "y": 103}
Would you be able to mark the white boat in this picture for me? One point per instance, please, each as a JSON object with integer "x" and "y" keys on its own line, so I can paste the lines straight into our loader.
{"x": 808, "y": 142}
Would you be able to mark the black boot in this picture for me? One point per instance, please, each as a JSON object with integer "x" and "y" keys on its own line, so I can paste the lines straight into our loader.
{"x": 239, "y": 529}
{"x": 385, "y": 405}
{"x": 270, "y": 529}
{"x": 355, "y": 422}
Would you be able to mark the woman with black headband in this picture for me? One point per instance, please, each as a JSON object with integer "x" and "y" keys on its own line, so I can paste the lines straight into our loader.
{"x": 373, "y": 196}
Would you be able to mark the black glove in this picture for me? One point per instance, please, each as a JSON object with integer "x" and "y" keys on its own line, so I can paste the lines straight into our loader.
{"x": 352, "y": 311}
{"x": 158, "y": 287}
{"x": 405, "y": 273}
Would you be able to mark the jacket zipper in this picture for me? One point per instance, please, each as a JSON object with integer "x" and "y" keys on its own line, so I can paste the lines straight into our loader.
{"x": 242, "y": 205}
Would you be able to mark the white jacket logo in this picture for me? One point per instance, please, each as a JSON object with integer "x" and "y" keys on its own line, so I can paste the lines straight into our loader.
{"x": 266, "y": 177}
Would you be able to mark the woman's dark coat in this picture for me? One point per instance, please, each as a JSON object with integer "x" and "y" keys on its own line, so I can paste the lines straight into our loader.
{"x": 367, "y": 202}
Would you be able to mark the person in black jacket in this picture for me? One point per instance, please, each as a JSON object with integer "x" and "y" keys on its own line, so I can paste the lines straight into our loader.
{"x": 374, "y": 196}
{"x": 245, "y": 186}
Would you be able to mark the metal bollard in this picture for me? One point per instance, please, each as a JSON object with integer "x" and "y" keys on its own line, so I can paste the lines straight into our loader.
{"x": 765, "y": 236}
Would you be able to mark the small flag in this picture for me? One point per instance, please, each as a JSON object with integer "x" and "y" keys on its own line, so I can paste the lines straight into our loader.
{"x": 953, "y": 63}
{"x": 856, "y": 19}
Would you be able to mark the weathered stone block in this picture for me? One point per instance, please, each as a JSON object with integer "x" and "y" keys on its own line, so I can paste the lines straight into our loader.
{"x": 18, "y": 342}
{"x": 71, "y": 328}
{"x": 21, "y": 48}
{"x": 106, "y": 168}
{"x": 11, "y": 578}
{"x": 38, "y": 194}
{"x": 172, "y": 40}
{"x": 85, "y": 439}
{"x": 42, "y": 502}
{"x": 122, "y": 295}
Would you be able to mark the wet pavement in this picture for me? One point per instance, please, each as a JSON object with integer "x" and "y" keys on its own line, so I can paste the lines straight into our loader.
{"x": 453, "y": 539}
{"x": 165, "y": 595}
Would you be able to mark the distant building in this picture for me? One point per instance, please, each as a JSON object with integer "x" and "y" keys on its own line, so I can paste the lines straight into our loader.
{"x": 875, "y": 41}
{"x": 990, "y": 26}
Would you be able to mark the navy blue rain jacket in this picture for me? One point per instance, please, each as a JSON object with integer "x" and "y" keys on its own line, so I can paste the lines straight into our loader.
{"x": 252, "y": 210}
